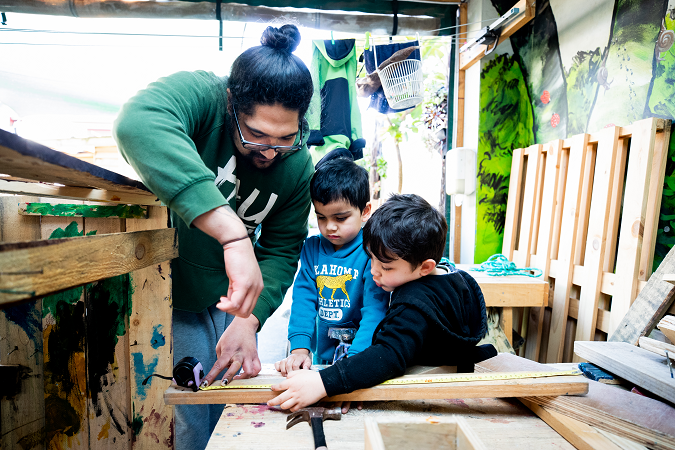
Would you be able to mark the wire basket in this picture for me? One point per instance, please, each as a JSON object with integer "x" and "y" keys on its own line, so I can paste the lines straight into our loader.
{"x": 402, "y": 82}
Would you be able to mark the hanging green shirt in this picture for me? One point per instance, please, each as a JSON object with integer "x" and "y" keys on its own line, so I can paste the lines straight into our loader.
{"x": 175, "y": 135}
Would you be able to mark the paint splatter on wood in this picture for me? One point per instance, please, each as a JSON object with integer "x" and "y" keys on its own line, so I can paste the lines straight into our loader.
{"x": 75, "y": 210}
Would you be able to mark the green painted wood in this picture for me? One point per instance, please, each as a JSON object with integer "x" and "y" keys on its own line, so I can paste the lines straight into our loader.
{"x": 75, "y": 210}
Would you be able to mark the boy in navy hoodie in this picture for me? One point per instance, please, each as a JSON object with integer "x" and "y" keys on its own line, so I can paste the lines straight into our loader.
{"x": 436, "y": 315}
{"x": 334, "y": 287}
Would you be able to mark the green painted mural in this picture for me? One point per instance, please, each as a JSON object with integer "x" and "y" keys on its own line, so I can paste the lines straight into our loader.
{"x": 68, "y": 210}
{"x": 612, "y": 64}
{"x": 506, "y": 123}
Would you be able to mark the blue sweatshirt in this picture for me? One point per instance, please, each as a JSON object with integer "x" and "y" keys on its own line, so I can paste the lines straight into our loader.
{"x": 334, "y": 289}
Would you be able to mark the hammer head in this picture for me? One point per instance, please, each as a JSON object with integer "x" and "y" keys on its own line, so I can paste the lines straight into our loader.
{"x": 314, "y": 412}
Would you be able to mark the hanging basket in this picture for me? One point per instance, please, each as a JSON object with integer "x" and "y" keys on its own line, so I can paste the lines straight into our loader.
{"x": 402, "y": 82}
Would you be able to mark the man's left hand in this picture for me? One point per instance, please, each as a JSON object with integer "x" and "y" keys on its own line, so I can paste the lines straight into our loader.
{"x": 236, "y": 348}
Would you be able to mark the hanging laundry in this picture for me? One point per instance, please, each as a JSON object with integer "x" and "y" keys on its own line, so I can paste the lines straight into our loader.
{"x": 378, "y": 101}
{"x": 334, "y": 117}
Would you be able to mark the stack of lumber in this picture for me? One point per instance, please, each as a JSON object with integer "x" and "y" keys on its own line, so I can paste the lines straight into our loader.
{"x": 567, "y": 200}
{"x": 619, "y": 413}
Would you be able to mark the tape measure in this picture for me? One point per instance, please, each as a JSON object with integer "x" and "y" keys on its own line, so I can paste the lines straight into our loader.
{"x": 450, "y": 378}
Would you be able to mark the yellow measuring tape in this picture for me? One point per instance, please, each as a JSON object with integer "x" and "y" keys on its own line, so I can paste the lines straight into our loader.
{"x": 450, "y": 378}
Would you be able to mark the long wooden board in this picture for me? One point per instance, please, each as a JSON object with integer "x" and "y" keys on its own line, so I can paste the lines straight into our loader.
{"x": 641, "y": 419}
{"x": 565, "y": 385}
{"x": 35, "y": 269}
{"x": 642, "y": 367}
{"x": 649, "y": 306}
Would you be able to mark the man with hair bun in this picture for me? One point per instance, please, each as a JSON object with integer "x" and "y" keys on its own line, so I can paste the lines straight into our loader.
{"x": 228, "y": 156}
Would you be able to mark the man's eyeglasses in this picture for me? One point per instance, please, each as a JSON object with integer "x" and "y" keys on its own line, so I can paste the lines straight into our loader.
{"x": 264, "y": 147}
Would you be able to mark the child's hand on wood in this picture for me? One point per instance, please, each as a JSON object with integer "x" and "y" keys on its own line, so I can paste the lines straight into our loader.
{"x": 299, "y": 359}
{"x": 302, "y": 388}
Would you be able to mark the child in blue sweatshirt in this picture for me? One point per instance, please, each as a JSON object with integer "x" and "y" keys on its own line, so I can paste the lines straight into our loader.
{"x": 334, "y": 287}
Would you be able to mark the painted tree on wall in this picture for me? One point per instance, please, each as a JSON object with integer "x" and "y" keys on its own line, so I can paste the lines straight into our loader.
{"x": 625, "y": 75}
{"x": 506, "y": 123}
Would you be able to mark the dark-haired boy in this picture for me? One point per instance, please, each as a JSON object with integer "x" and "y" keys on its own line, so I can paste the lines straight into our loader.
{"x": 334, "y": 287}
{"x": 436, "y": 316}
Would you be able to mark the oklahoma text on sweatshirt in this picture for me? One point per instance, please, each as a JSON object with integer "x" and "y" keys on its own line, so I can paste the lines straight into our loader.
{"x": 176, "y": 134}
{"x": 337, "y": 288}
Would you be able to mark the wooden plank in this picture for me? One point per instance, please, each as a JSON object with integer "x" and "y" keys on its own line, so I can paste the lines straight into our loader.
{"x": 667, "y": 327}
{"x": 472, "y": 56}
{"x": 650, "y": 305}
{"x": 658, "y": 172}
{"x": 513, "y": 203}
{"x": 150, "y": 331}
{"x": 542, "y": 259}
{"x": 119, "y": 211}
{"x": 565, "y": 385}
{"x": 22, "y": 417}
{"x": 27, "y": 159}
{"x": 509, "y": 291}
{"x": 594, "y": 257}
{"x": 78, "y": 193}
{"x": 584, "y": 204}
{"x": 613, "y": 218}
{"x": 579, "y": 434}
{"x": 34, "y": 269}
{"x": 568, "y": 235}
{"x": 635, "y": 417}
{"x": 527, "y": 211}
{"x": 633, "y": 218}
{"x": 642, "y": 367}
{"x": 658, "y": 347}
{"x": 107, "y": 355}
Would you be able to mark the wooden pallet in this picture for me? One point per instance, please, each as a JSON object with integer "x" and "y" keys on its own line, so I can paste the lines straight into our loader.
{"x": 563, "y": 215}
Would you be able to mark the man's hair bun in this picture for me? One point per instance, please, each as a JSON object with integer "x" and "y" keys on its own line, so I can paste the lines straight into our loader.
{"x": 285, "y": 39}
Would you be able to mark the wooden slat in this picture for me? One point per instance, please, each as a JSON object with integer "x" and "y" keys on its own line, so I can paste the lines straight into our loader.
{"x": 30, "y": 160}
{"x": 527, "y": 215}
{"x": 650, "y": 305}
{"x": 611, "y": 241}
{"x": 565, "y": 385}
{"x": 635, "y": 364}
{"x": 542, "y": 259}
{"x": 513, "y": 204}
{"x": 597, "y": 233}
{"x": 78, "y": 193}
{"x": 658, "y": 347}
{"x": 633, "y": 218}
{"x": 658, "y": 172}
{"x": 150, "y": 331}
{"x": 573, "y": 185}
{"x": 579, "y": 434}
{"x": 472, "y": 56}
{"x": 34, "y": 269}
{"x": 22, "y": 417}
{"x": 635, "y": 417}
{"x": 667, "y": 327}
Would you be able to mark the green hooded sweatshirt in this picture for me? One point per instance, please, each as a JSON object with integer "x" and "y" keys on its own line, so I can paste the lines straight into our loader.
{"x": 175, "y": 135}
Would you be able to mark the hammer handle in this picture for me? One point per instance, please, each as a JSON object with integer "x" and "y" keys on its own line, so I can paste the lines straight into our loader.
{"x": 319, "y": 437}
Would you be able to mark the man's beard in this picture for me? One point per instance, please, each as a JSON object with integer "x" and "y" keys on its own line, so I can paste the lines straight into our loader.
{"x": 250, "y": 158}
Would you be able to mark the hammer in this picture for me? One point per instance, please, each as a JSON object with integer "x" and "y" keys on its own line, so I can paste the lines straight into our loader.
{"x": 314, "y": 416}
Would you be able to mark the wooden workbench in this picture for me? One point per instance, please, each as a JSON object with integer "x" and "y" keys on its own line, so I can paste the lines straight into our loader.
{"x": 499, "y": 423}
{"x": 508, "y": 292}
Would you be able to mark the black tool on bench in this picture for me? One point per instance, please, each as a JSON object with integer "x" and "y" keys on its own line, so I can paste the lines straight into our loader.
{"x": 187, "y": 373}
{"x": 314, "y": 416}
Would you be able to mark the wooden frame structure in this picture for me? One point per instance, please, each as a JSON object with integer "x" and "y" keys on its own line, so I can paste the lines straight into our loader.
{"x": 569, "y": 201}
{"x": 83, "y": 351}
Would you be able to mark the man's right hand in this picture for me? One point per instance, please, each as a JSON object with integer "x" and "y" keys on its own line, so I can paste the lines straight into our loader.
{"x": 299, "y": 359}
{"x": 246, "y": 281}
{"x": 241, "y": 265}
